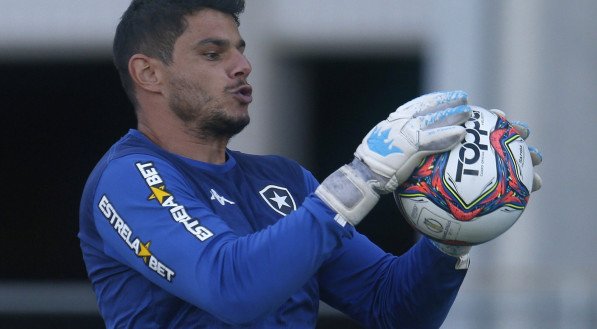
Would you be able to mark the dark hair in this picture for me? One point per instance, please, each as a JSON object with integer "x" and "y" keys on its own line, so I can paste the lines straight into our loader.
{"x": 151, "y": 27}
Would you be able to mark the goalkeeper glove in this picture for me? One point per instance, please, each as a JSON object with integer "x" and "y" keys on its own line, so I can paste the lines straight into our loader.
{"x": 522, "y": 128}
{"x": 390, "y": 152}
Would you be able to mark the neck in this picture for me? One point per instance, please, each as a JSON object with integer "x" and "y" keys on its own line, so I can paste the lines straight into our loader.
{"x": 186, "y": 144}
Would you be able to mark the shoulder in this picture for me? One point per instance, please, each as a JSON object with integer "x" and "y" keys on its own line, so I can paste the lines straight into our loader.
{"x": 129, "y": 160}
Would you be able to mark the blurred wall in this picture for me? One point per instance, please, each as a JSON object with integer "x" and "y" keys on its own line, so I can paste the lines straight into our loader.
{"x": 536, "y": 60}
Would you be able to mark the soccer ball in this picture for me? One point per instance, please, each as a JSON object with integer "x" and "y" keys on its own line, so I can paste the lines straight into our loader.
{"x": 476, "y": 191}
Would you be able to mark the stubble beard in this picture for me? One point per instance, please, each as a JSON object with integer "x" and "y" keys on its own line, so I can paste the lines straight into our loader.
{"x": 204, "y": 115}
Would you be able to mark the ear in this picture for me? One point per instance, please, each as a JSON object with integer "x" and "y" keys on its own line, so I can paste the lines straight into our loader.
{"x": 146, "y": 72}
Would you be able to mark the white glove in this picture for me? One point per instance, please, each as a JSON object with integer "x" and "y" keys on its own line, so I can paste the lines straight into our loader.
{"x": 390, "y": 152}
{"x": 522, "y": 128}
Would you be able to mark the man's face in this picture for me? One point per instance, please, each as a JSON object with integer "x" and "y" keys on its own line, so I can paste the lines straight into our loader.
{"x": 207, "y": 81}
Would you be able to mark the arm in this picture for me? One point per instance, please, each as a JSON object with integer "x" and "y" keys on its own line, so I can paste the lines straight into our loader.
{"x": 178, "y": 243}
{"x": 379, "y": 290}
{"x": 415, "y": 290}
{"x": 147, "y": 230}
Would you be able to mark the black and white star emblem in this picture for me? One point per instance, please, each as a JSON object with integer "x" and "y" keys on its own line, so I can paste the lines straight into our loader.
{"x": 279, "y": 199}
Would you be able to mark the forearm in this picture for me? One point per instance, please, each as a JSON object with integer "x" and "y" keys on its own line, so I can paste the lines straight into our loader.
{"x": 424, "y": 283}
{"x": 256, "y": 273}
{"x": 379, "y": 290}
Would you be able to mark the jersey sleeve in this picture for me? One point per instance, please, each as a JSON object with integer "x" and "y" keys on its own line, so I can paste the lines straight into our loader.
{"x": 156, "y": 225}
{"x": 311, "y": 182}
{"x": 380, "y": 290}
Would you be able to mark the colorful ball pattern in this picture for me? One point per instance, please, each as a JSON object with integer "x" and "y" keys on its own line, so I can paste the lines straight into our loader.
{"x": 474, "y": 192}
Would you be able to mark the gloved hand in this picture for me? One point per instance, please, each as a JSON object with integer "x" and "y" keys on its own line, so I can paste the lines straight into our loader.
{"x": 536, "y": 158}
{"x": 390, "y": 152}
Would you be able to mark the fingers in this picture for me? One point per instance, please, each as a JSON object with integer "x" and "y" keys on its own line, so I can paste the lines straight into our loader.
{"x": 498, "y": 112}
{"x": 442, "y": 130}
{"x": 445, "y": 117}
{"x": 536, "y": 157}
{"x": 441, "y": 139}
{"x": 522, "y": 128}
{"x": 429, "y": 103}
{"x": 537, "y": 182}
{"x": 453, "y": 116}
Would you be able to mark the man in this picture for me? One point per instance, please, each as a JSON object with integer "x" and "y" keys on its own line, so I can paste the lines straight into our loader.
{"x": 177, "y": 231}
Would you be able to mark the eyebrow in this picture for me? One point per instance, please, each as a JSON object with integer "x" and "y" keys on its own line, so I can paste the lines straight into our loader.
{"x": 220, "y": 42}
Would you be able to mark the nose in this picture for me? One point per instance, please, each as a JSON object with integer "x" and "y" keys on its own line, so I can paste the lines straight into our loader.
{"x": 242, "y": 67}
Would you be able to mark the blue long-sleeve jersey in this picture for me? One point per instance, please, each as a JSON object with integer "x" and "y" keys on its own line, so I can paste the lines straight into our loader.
{"x": 170, "y": 242}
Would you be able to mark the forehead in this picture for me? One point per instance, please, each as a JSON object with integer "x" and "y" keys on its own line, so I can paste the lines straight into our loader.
{"x": 209, "y": 23}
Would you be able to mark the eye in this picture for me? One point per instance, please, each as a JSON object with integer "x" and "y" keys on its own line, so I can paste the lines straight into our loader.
{"x": 212, "y": 56}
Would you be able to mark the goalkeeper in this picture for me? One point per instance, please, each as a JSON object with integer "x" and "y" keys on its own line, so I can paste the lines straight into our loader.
{"x": 178, "y": 231}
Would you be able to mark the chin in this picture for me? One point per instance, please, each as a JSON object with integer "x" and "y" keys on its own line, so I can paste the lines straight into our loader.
{"x": 239, "y": 125}
{"x": 225, "y": 125}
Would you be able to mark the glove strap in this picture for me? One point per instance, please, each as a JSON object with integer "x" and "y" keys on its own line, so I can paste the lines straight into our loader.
{"x": 460, "y": 252}
{"x": 349, "y": 191}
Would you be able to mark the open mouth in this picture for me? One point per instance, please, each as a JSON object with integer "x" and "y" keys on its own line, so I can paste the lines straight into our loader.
{"x": 243, "y": 93}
